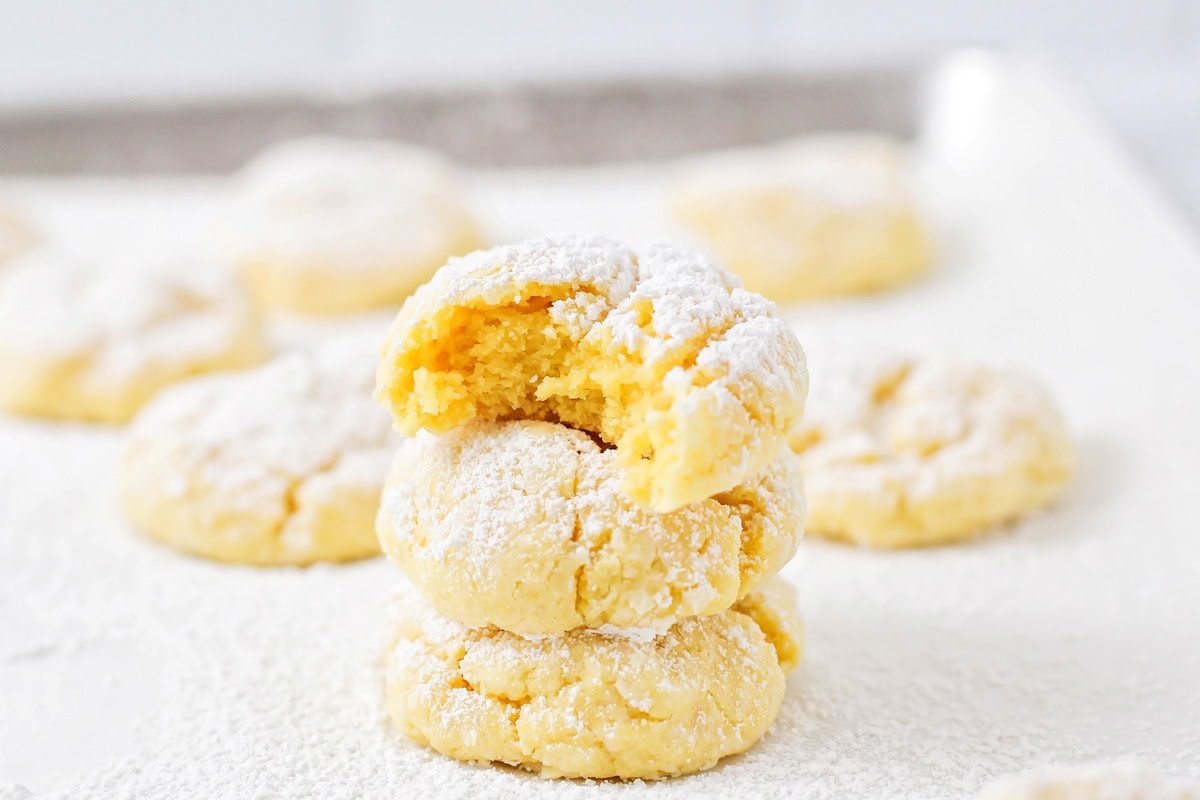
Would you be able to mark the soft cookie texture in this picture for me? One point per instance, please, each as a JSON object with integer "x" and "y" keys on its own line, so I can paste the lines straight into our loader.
{"x": 17, "y": 234}
{"x": 330, "y": 226}
{"x": 694, "y": 380}
{"x": 523, "y": 525}
{"x": 282, "y": 464}
{"x": 903, "y": 452}
{"x": 808, "y": 218}
{"x": 87, "y": 341}
{"x": 593, "y": 704}
{"x": 1121, "y": 780}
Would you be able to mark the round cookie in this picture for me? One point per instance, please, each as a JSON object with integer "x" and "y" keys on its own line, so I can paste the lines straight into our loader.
{"x": 282, "y": 464}
{"x": 899, "y": 452}
{"x": 808, "y": 218}
{"x": 332, "y": 226}
{"x": 17, "y": 234}
{"x": 1120, "y": 780}
{"x": 693, "y": 379}
{"x": 590, "y": 704}
{"x": 83, "y": 341}
{"x": 523, "y": 525}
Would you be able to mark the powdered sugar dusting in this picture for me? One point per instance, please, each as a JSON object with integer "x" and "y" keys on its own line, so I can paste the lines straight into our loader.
{"x": 1121, "y": 780}
{"x": 255, "y": 433}
{"x": 121, "y": 321}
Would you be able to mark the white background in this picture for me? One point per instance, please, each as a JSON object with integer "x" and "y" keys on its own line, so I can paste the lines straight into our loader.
{"x": 1138, "y": 59}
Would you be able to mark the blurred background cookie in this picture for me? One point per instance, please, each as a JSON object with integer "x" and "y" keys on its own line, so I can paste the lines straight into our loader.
{"x": 88, "y": 340}
{"x": 808, "y": 218}
{"x": 335, "y": 226}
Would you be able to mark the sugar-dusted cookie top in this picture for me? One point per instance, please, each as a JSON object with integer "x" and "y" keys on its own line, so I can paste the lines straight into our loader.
{"x": 898, "y": 451}
{"x": 282, "y": 464}
{"x": 327, "y": 225}
{"x": 523, "y": 525}
{"x": 694, "y": 380}
{"x": 81, "y": 338}
{"x": 594, "y": 704}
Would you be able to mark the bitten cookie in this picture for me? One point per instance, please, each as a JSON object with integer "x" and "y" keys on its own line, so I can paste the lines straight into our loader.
{"x": 84, "y": 341}
{"x": 693, "y": 379}
{"x": 900, "y": 452}
{"x": 808, "y": 218}
{"x": 523, "y": 525}
{"x": 330, "y": 226}
{"x": 17, "y": 234}
{"x": 282, "y": 464}
{"x": 1121, "y": 780}
{"x": 590, "y": 704}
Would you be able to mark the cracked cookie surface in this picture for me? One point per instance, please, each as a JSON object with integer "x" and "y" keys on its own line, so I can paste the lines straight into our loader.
{"x": 282, "y": 464}
{"x": 91, "y": 341}
{"x": 591, "y": 704}
{"x": 523, "y": 525}
{"x": 331, "y": 226}
{"x": 904, "y": 452}
{"x": 694, "y": 380}
{"x": 814, "y": 217}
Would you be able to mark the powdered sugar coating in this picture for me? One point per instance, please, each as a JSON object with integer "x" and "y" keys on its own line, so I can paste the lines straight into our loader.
{"x": 1119, "y": 780}
{"x": 523, "y": 525}
{"x": 899, "y": 451}
{"x": 82, "y": 338}
{"x": 694, "y": 379}
{"x": 257, "y": 466}
{"x": 588, "y": 704}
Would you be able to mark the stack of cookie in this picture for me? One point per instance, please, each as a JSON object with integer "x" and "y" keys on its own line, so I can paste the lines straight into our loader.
{"x": 594, "y": 512}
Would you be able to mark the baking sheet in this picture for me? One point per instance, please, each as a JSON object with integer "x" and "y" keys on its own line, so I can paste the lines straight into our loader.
{"x": 130, "y": 671}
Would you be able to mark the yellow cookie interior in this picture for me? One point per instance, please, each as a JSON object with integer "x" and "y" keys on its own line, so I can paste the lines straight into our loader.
{"x": 526, "y": 360}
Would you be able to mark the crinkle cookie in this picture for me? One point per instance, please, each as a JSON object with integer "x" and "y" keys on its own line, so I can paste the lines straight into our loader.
{"x": 593, "y": 704}
{"x": 808, "y": 218}
{"x": 1120, "y": 780}
{"x": 901, "y": 452}
{"x": 693, "y": 379}
{"x": 85, "y": 341}
{"x": 17, "y": 234}
{"x": 282, "y": 464}
{"x": 523, "y": 525}
{"x": 332, "y": 226}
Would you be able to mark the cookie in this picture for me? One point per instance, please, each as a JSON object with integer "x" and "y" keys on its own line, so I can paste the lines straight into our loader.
{"x": 693, "y": 379}
{"x": 808, "y": 218}
{"x": 1120, "y": 780}
{"x": 88, "y": 341}
{"x": 333, "y": 226}
{"x": 17, "y": 234}
{"x": 904, "y": 452}
{"x": 523, "y": 525}
{"x": 282, "y": 464}
{"x": 593, "y": 704}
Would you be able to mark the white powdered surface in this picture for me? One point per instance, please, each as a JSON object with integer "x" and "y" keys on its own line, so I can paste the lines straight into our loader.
{"x": 131, "y": 672}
